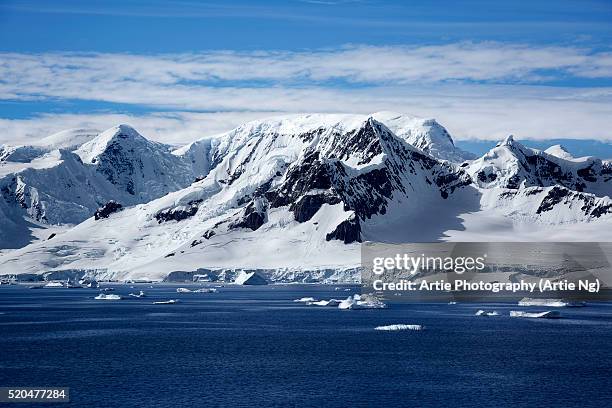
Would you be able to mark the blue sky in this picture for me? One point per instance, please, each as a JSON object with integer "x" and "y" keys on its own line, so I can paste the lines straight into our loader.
{"x": 185, "y": 69}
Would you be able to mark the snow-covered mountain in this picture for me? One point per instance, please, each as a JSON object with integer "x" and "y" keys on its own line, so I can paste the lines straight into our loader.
{"x": 68, "y": 140}
{"x": 425, "y": 134}
{"x": 510, "y": 165}
{"x": 49, "y": 184}
{"x": 296, "y": 195}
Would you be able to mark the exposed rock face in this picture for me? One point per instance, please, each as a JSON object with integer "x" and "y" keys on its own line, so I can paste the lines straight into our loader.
{"x": 308, "y": 205}
{"x": 590, "y": 204}
{"x": 107, "y": 209}
{"x": 348, "y": 231}
{"x": 179, "y": 213}
{"x": 253, "y": 216}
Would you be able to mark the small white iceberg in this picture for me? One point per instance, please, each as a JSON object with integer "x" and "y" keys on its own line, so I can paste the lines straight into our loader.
{"x": 166, "y": 302}
{"x": 55, "y": 284}
{"x": 452, "y": 302}
{"x": 487, "y": 313}
{"x": 140, "y": 294}
{"x": 103, "y": 296}
{"x": 549, "y": 303}
{"x": 183, "y": 290}
{"x": 551, "y": 314}
{"x": 330, "y": 303}
{"x": 305, "y": 300}
{"x": 205, "y": 290}
{"x": 361, "y": 302}
{"x": 397, "y": 327}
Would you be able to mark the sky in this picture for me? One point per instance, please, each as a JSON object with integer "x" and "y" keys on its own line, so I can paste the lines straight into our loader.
{"x": 182, "y": 70}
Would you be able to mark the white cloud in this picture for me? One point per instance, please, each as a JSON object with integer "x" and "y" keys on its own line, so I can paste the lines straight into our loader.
{"x": 468, "y": 112}
{"x": 169, "y": 127}
{"x": 489, "y": 61}
{"x": 477, "y": 90}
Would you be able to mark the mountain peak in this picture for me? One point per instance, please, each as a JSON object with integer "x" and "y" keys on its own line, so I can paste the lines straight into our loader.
{"x": 559, "y": 151}
{"x": 98, "y": 145}
{"x": 424, "y": 134}
{"x": 508, "y": 141}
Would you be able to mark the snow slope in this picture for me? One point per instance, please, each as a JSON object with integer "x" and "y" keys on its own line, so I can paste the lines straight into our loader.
{"x": 65, "y": 187}
{"x": 294, "y": 196}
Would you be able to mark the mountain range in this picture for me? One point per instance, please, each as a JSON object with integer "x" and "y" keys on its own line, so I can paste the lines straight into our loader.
{"x": 292, "y": 195}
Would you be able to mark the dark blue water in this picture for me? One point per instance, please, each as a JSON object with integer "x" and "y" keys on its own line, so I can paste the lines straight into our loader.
{"x": 253, "y": 346}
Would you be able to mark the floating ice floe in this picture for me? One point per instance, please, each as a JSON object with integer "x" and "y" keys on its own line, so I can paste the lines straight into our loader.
{"x": 166, "y": 302}
{"x": 551, "y": 314}
{"x": 452, "y": 302}
{"x": 201, "y": 290}
{"x": 487, "y": 313}
{"x": 103, "y": 296}
{"x": 397, "y": 327}
{"x": 140, "y": 294}
{"x": 55, "y": 285}
{"x": 183, "y": 290}
{"x": 361, "y": 302}
{"x": 549, "y": 303}
{"x": 305, "y": 300}
{"x": 205, "y": 290}
{"x": 330, "y": 303}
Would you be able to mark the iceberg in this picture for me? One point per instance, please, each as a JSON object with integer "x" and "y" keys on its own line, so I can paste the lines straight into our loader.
{"x": 205, "y": 290}
{"x": 487, "y": 313}
{"x": 166, "y": 302}
{"x": 549, "y": 303}
{"x": 55, "y": 284}
{"x": 201, "y": 290}
{"x": 183, "y": 290}
{"x": 361, "y": 302}
{"x": 305, "y": 300}
{"x": 250, "y": 278}
{"x": 551, "y": 314}
{"x": 140, "y": 294}
{"x": 330, "y": 303}
{"x": 396, "y": 327}
{"x": 88, "y": 283}
{"x": 103, "y": 296}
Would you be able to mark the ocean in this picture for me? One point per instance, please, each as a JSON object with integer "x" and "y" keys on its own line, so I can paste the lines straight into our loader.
{"x": 255, "y": 347}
